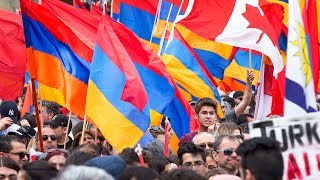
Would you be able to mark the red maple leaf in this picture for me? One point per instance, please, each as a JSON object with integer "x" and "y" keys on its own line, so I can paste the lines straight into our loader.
{"x": 258, "y": 21}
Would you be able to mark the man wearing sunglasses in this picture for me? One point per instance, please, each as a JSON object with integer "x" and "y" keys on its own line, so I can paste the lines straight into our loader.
{"x": 225, "y": 154}
{"x": 59, "y": 124}
{"x": 14, "y": 148}
{"x": 49, "y": 138}
{"x": 192, "y": 157}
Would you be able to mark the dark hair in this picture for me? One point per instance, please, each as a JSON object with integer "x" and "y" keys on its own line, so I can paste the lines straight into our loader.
{"x": 158, "y": 163}
{"x": 9, "y": 163}
{"x": 262, "y": 156}
{"x": 77, "y": 128}
{"x": 205, "y": 102}
{"x": 5, "y": 147}
{"x": 245, "y": 127}
{"x": 52, "y": 107}
{"x": 79, "y": 158}
{"x": 10, "y": 138}
{"x": 229, "y": 100}
{"x": 40, "y": 170}
{"x": 89, "y": 148}
{"x": 131, "y": 158}
{"x": 77, "y": 139}
{"x": 138, "y": 173}
{"x": 243, "y": 118}
{"x": 30, "y": 118}
{"x": 219, "y": 139}
{"x": 190, "y": 148}
{"x": 181, "y": 174}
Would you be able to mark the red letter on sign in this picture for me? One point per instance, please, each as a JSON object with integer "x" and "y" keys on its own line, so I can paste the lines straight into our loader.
{"x": 293, "y": 168}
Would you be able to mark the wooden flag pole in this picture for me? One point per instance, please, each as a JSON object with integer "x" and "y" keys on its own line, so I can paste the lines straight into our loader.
{"x": 66, "y": 137}
{"x": 39, "y": 123}
{"x": 83, "y": 128}
{"x": 250, "y": 59}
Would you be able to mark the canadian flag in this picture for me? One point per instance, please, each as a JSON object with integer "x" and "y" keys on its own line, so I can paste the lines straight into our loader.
{"x": 240, "y": 23}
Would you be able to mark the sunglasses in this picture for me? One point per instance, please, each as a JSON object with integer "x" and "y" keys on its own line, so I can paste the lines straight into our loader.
{"x": 52, "y": 137}
{"x": 21, "y": 154}
{"x": 227, "y": 152}
{"x": 204, "y": 145}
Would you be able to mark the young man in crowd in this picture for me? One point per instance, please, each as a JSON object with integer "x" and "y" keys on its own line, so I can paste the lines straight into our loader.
{"x": 206, "y": 115}
{"x": 261, "y": 159}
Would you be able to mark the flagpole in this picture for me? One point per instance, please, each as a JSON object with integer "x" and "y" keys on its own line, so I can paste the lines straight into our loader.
{"x": 174, "y": 23}
{"x": 250, "y": 59}
{"x": 83, "y": 128}
{"x": 164, "y": 30}
{"x": 39, "y": 124}
{"x": 66, "y": 137}
{"x": 155, "y": 22}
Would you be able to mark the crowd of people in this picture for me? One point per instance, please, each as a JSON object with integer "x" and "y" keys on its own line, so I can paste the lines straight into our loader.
{"x": 219, "y": 149}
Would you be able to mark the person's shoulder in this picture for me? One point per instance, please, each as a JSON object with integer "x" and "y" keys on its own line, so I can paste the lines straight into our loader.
{"x": 187, "y": 137}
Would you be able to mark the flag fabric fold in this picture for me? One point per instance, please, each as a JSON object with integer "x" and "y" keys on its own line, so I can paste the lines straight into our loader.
{"x": 57, "y": 58}
{"x": 299, "y": 93}
{"x": 12, "y": 55}
{"x": 238, "y": 23}
{"x": 117, "y": 101}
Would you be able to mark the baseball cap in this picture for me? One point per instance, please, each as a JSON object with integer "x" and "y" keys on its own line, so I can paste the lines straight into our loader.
{"x": 58, "y": 120}
{"x": 237, "y": 94}
{"x": 9, "y": 109}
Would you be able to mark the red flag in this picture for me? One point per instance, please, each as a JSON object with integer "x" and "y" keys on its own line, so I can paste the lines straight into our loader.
{"x": 95, "y": 10}
{"x": 12, "y": 55}
{"x": 27, "y": 100}
{"x": 313, "y": 21}
{"x": 238, "y": 23}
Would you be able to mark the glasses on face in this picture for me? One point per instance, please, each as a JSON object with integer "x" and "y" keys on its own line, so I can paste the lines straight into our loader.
{"x": 20, "y": 154}
{"x": 204, "y": 145}
{"x": 10, "y": 176}
{"x": 196, "y": 164}
{"x": 52, "y": 137}
{"x": 227, "y": 152}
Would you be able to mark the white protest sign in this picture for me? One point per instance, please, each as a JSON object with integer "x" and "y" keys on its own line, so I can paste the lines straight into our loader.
{"x": 300, "y": 143}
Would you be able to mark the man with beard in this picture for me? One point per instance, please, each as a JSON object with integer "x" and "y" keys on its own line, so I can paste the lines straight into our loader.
{"x": 206, "y": 115}
{"x": 224, "y": 154}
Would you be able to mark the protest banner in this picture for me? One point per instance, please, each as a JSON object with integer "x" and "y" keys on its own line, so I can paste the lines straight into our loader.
{"x": 299, "y": 140}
